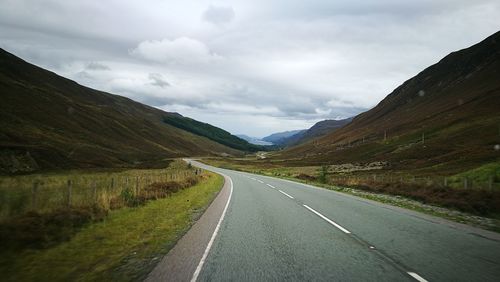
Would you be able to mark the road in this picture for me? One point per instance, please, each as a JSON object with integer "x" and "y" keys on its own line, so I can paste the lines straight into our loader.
{"x": 277, "y": 230}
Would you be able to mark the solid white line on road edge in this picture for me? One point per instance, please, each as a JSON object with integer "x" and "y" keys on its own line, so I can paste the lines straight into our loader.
{"x": 284, "y": 193}
{"x": 260, "y": 181}
{"x": 328, "y": 220}
{"x": 271, "y": 186}
{"x": 207, "y": 250}
{"x": 417, "y": 277}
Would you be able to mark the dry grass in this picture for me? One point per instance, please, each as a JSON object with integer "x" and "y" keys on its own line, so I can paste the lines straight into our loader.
{"x": 43, "y": 228}
{"x": 125, "y": 246}
{"x": 45, "y": 193}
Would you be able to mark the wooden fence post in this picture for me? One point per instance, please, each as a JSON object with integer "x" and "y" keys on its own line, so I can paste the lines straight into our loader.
{"x": 94, "y": 191}
{"x": 445, "y": 183}
{"x": 137, "y": 185}
{"x": 69, "y": 185}
{"x": 34, "y": 195}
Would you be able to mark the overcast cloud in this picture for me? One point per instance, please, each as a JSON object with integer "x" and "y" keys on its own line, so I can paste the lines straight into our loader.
{"x": 252, "y": 67}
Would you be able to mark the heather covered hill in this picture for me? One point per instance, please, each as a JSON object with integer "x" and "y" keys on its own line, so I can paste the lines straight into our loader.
{"x": 447, "y": 116}
{"x": 319, "y": 129}
{"x": 50, "y": 122}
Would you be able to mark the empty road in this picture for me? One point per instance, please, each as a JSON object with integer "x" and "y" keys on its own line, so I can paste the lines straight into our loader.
{"x": 277, "y": 230}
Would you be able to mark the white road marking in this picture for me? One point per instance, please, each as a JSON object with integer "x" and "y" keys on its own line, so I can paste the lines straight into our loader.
{"x": 207, "y": 250}
{"x": 328, "y": 220}
{"x": 260, "y": 181}
{"x": 284, "y": 193}
{"x": 271, "y": 186}
{"x": 417, "y": 277}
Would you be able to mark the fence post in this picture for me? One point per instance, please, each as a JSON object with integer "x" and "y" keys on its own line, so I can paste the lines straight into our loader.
{"x": 137, "y": 186}
{"x": 69, "y": 185}
{"x": 445, "y": 183}
{"x": 94, "y": 192}
{"x": 466, "y": 183}
{"x": 34, "y": 194}
{"x": 374, "y": 177}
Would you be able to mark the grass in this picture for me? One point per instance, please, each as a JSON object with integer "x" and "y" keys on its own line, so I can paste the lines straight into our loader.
{"x": 125, "y": 246}
{"x": 483, "y": 174}
{"x": 45, "y": 193}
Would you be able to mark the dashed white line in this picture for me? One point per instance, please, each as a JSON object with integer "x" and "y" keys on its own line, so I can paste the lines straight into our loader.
{"x": 328, "y": 220}
{"x": 271, "y": 186}
{"x": 260, "y": 181}
{"x": 284, "y": 193}
{"x": 417, "y": 277}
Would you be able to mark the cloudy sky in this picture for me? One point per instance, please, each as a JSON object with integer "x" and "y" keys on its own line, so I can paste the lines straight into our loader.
{"x": 252, "y": 67}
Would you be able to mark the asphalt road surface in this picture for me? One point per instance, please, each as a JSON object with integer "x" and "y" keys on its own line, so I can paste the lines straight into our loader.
{"x": 277, "y": 230}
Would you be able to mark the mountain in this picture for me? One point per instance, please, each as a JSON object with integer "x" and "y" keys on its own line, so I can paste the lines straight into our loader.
{"x": 50, "y": 122}
{"x": 280, "y": 138}
{"x": 254, "y": 140}
{"x": 447, "y": 117}
{"x": 211, "y": 132}
{"x": 319, "y": 129}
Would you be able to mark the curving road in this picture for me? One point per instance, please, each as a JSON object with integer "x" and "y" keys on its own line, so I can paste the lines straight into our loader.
{"x": 277, "y": 230}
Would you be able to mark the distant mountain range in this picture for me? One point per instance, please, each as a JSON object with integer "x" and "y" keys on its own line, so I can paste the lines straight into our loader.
{"x": 280, "y": 138}
{"x": 317, "y": 130}
{"x": 447, "y": 116}
{"x": 50, "y": 122}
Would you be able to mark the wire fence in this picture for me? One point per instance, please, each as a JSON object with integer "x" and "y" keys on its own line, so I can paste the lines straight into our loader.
{"x": 490, "y": 183}
{"x": 45, "y": 193}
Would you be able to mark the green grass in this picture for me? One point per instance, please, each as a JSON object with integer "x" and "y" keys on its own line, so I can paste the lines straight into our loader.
{"x": 123, "y": 247}
{"x": 483, "y": 174}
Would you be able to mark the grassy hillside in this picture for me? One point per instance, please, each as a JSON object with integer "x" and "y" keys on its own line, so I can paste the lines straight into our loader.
{"x": 211, "y": 132}
{"x": 49, "y": 122}
{"x": 446, "y": 119}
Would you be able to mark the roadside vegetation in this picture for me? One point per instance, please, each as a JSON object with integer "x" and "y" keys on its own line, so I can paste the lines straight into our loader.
{"x": 475, "y": 192}
{"x": 104, "y": 234}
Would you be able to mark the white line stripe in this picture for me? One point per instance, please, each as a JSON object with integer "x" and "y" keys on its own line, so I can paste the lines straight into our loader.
{"x": 260, "y": 181}
{"x": 284, "y": 193}
{"x": 328, "y": 220}
{"x": 207, "y": 250}
{"x": 253, "y": 178}
{"x": 271, "y": 186}
{"x": 417, "y": 277}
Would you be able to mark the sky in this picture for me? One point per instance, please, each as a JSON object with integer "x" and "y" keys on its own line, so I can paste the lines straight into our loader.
{"x": 250, "y": 67}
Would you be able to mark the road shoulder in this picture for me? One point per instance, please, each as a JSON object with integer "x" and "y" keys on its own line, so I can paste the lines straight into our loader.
{"x": 182, "y": 260}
